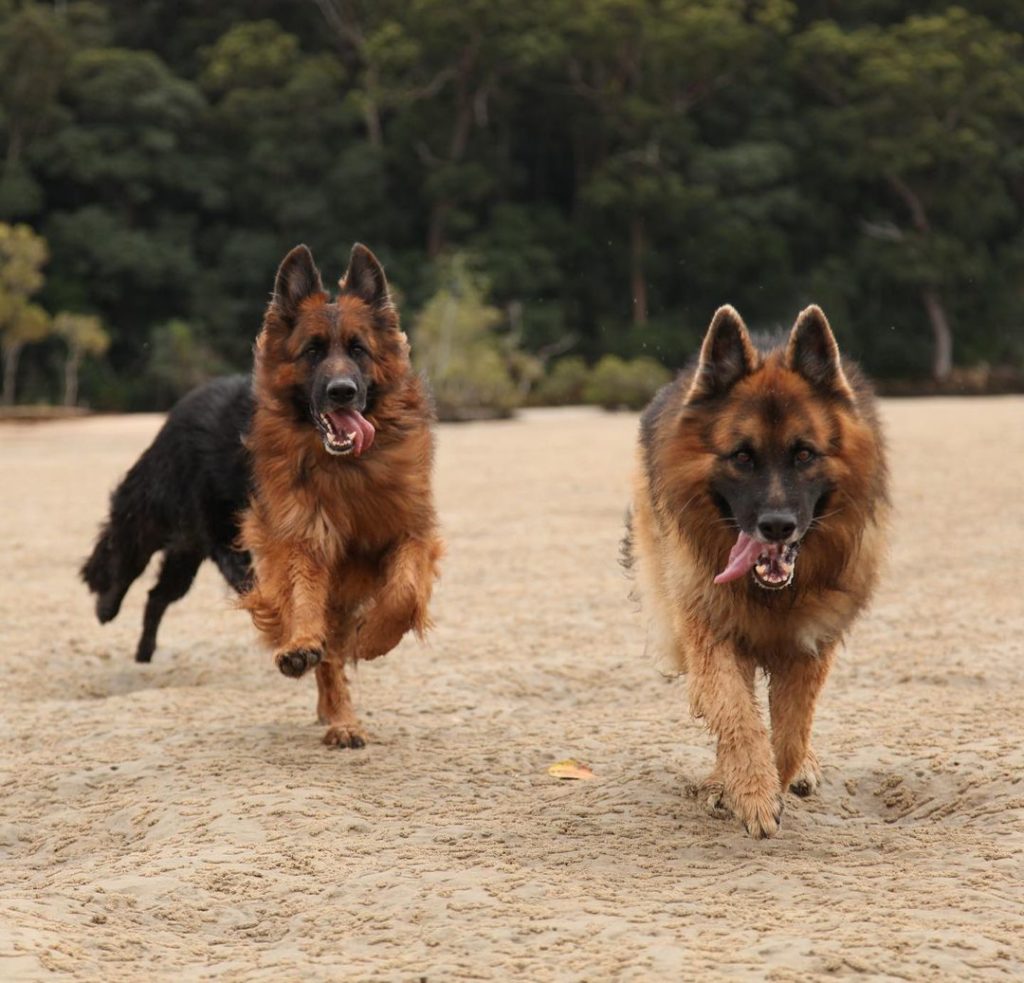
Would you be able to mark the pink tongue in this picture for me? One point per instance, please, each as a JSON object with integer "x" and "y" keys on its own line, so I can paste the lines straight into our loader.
{"x": 352, "y": 421}
{"x": 741, "y": 558}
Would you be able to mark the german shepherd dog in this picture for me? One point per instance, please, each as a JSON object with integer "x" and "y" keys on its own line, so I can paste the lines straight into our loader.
{"x": 341, "y": 524}
{"x": 758, "y": 525}
{"x": 182, "y": 496}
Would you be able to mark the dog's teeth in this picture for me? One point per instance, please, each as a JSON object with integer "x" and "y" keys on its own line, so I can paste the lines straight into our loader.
{"x": 351, "y": 435}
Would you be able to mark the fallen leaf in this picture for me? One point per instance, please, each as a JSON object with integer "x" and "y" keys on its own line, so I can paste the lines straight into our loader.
{"x": 570, "y": 768}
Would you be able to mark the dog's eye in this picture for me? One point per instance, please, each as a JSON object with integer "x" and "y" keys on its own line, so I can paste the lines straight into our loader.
{"x": 804, "y": 456}
{"x": 743, "y": 458}
{"x": 314, "y": 351}
{"x": 356, "y": 349}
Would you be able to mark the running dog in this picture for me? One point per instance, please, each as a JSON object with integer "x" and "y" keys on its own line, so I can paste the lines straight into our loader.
{"x": 341, "y": 525}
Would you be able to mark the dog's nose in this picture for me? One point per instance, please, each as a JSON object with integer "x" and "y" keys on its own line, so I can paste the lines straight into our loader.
{"x": 341, "y": 391}
{"x": 776, "y": 527}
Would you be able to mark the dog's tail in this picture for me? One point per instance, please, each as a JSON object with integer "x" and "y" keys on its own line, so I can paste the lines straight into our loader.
{"x": 126, "y": 541}
{"x": 100, "y": 575}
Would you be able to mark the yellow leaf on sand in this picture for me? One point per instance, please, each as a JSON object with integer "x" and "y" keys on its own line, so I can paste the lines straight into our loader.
{"x": 570, "y": 768}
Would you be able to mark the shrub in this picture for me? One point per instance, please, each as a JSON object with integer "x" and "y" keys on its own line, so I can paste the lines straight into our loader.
{"x": 564, "y": 384}
{"x": 455, "y": 344}
{"x": 179, "y": 360}
{"x": 618, "y": 384}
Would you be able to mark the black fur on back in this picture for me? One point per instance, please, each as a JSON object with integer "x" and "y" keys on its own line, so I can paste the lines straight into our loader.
{"x": 182, "y": 496}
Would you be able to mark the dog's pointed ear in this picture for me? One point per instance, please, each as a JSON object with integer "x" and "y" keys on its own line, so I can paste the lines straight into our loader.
{"x": 297, "y": 278}
{"x": 726, "y": 356}
{"x": 813, "y": 353}
{"x": 365, "y": 278}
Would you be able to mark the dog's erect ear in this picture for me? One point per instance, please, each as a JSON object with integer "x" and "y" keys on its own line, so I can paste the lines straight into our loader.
{"x": 365, "y": 278}
{"x": 813, "y": 353}
{"x": 726, "y": 356}
{"x": 297, "y": 278}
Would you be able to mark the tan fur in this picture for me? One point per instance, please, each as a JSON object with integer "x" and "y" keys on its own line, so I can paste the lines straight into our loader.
{"x": 345, "y": 550}
{"x": 722, "y": 634}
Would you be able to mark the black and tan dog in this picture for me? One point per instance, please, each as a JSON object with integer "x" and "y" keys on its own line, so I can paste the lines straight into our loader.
{"x": 342, "y": 527}
{"x": 758, "y": 525}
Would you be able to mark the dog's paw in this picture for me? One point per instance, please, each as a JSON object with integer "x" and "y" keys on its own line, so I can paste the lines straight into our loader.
{"x": 761, "y": 815}
{"x": 808, "y": 778}
{"x": 345, "y": 735}
{"x": 296, "y": 662}
{"x": 711, "y": 795}
{"x": 804, "y": 786}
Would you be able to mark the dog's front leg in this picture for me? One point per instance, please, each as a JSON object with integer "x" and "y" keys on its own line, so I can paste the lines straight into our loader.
{"x": 401, "y": 603}
{"x": 792, "y": 693}
{"x": 334, "y": 707}
{"x": 721, "y": 687}
{"x": 307, "y": 625}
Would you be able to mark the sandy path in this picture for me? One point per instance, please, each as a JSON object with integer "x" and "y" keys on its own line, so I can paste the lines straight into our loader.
{"x": 182, "y": 819}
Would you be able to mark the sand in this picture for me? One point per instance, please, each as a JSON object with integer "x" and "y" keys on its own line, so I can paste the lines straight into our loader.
{"x": 181, "y": 820}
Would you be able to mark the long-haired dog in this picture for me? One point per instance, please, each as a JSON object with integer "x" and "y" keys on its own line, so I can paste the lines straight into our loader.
{"x": 758, "y": 525}
{"x": 341, "y": 526}
{"x": 182, "y": 496}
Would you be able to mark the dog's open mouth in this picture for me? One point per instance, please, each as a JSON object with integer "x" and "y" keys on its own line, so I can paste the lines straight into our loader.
{"x": 772, "y": 564}
{"x": 345, "y": 432}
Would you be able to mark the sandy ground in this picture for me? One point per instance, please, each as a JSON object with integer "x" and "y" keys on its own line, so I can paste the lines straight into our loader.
{"x": 182, "y": 820}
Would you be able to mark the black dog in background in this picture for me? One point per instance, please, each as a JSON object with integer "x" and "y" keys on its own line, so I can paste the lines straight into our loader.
{"x": 182, "y": 496}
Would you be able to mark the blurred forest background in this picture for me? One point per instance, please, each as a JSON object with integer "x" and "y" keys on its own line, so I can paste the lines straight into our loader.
{"x": 562, "y": 191}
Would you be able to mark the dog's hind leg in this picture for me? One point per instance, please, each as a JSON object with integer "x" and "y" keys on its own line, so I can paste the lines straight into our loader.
{"x": 235, "y": 566}
{"x": 808, "y": 777}
{"x": 176, "y": 576}
{"x": 334, "y": 707}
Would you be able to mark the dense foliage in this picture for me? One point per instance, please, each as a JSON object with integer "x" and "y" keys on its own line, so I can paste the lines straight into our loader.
{"x": 612, "y": 170}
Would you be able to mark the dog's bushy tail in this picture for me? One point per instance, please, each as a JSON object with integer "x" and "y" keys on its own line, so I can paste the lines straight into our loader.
{"x": 126, "y": 541}
{"x": 96, "y": 570}
{"x": 101, "y": 573}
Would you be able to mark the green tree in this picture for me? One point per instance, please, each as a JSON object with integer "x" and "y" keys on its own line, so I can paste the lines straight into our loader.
{"x": 615, "y": 169}
{"x": 33, "y": 54}
{"x": 293, "y": 167}
{"x": 23, "y": 254}
{"x": 128, "y": 178}
{"x": 640, "y": 72}
{"x": 927, "y": 113}
{"x": 82, "y": 334}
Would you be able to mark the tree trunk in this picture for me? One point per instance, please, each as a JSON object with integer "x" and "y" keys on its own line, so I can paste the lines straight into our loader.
{"x": 435, "y": 233}
{"x": 350, "y": 38}
{"x": 465, "y": 101}
{"x": 371, "y": 108}
{"x": 12, "y": 352}
{"x": 638, "y": 282}
{"x": 942, "y": 352}
{"x": 71, "y": 375}
{"x": 942, "y": 335}
{"x": 14, "y": 146}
